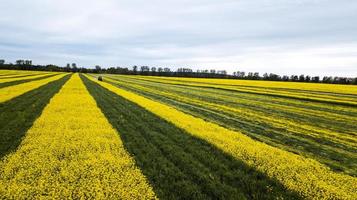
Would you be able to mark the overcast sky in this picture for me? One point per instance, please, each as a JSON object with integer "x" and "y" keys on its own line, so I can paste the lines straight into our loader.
{"x": 316, "y": 37}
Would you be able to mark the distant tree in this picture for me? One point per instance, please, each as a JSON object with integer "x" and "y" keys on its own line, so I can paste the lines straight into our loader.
{"x": 67, "y": 68}
{"x": 2, "y": 62}
{"x": 144, "y": 70}
{"x": 256, "y": 76}
{"x": 184, "y": 70}
{"x": 327, "y": 79}
{"x": 302, "y": 78}
{"x": 265, "y": 76}
{"x": 28, "y": 62}
{"x": 253, "y": 76}
{"x": 135, "y": 69}
{"x": 117, "y": 70}
{"x": 83, "y": 70}
{"x": 112, "y": 70}
{"x": 349, "y": 80}
{"x": 153, "y": 69}
{"x": 274, "y": 77}
{"x": 315, "y": 79}
{"x": 343, "y": 80}
{"x": 74, "y": 67}
{"x": 355, "y": 81}
{"x": 294, "y": 78}
{"x": 241, "y": 74}
{"x": 160, "y": 69}
{"x": 98, "y": 69}
{"x": 285, "y": 78}
{"x": 20, "y": 62}
{"x": 308, "y": 78}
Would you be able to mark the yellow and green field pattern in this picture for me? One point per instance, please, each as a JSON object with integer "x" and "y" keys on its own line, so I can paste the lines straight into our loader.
{"x": 70, "y": 136}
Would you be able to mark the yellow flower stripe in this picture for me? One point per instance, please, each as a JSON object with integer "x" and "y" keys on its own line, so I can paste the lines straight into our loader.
{"x": 5, "y": 80}
{"x": 3, "y": 76}
{"x": 8, "y": 93}
{"x": 306, "y": 176}
{"x": 300, "y": 95}
{"x": 319, "y": 87}
{"x": 16, "y": 73}
{"x": 288, "y": 124}
{"x": 72, "y": 152}
{"x": 2, "y": 71}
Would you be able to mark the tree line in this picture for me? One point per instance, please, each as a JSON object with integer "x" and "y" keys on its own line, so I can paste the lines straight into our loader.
{"x": 180, "y": 72}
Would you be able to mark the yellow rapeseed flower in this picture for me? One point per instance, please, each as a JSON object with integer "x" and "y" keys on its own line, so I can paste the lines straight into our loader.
{"x": 318, "y": 87}
{"x": 8, "y": 93}
{"x": 18, "y": 77}
{"x": 4, "y": 80}
{"x": 72, "y": 152}
{"x": 22, "y": 72}
{"x": 319, "y": 95}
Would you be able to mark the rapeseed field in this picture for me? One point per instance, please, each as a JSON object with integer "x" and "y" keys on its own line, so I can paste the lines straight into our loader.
{"x": 70, "y": 136}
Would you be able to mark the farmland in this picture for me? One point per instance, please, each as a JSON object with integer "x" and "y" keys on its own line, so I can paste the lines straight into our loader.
{"x": 65, "y": 135}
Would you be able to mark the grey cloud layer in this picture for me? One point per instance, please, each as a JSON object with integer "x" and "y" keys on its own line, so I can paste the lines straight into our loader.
{"x": 313, "y": 37}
